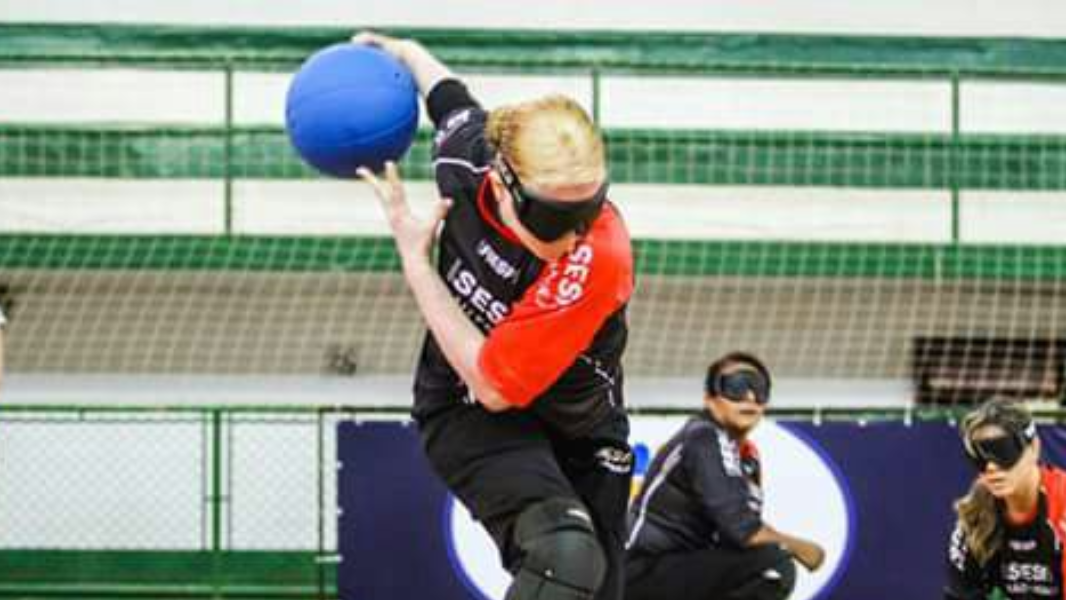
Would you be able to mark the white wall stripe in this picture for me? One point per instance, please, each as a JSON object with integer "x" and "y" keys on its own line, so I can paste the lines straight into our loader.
{"x": 1031, "y": 18}
{"x": 332, "y": 207}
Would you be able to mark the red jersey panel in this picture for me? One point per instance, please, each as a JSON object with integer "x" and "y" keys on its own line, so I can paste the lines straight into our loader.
{"x": 557, "y": 317}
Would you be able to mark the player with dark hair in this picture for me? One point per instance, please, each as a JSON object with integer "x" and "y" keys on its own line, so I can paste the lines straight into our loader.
{"x": 1010, "y": 525}
{"x": 696, "y": 528}
{"x": 518, "y": 393}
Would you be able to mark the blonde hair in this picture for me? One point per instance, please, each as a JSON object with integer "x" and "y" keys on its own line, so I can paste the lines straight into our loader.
{"x": 978, "y": 510}
{"x": 550, "y": 142}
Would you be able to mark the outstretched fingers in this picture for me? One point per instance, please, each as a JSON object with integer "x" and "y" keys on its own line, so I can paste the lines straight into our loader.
{"x": 368, "y": 176}
{"x": 389, "y": 190}
{"x": 392, "y": 177}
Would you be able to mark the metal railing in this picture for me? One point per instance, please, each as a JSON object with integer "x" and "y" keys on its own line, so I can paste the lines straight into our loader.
{"x": 98, "y": 500}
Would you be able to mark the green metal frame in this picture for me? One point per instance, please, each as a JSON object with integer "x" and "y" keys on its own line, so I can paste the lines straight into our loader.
{"x": 218, "y": 572}
{"x": 157, "y": 573}
{"x": 950, "y": 161}
{"x": 861, "y": 160}
{"x": 282, "y": 48}
{"x": 683, "y": 258}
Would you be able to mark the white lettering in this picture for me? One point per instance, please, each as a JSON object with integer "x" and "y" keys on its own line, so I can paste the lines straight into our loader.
{"x": 566, "y": 286}
{"x": 496, "y": 262}
{"x": 497, "y": 311}
{"x": 568, "y": 292}
{"x": 1022, "y": 545}
{"x": 957, "y": 551}
{"x": 483, "y": 307}
{"x": 730, "y": 455}
{"x": 576, "y": 271}
{"x": 465, "y": 283}
{"x": 582, "y": 254}
{"x": 454, "y": 122}
{"x": 481, "y": 299}
{"x": 1027, "y": 572}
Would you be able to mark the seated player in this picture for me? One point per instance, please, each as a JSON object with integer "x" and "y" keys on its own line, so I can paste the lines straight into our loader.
{"x": 696, "y": 528}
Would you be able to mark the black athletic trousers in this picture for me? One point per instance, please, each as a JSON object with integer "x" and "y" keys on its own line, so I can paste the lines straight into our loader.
{"x": 498, "y": 464}
{"x": 711, "y": 574}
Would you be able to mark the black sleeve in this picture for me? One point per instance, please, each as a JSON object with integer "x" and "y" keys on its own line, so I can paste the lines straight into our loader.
{"x": 966, "y": 579}
{"x": 447, "y": 97}
{"x": 712, "y": 461}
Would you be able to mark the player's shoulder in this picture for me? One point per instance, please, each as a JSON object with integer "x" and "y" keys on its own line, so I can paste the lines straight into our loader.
{"x": 607, "y": 248}
{"x": 711, "y": 444}
{"x": 600, "y": 266}
{"x": 610, "y": 235}
{"x": 459, "y": 147}
{"x": 700, "y": 429}
{"x": 1053, "y": 483}
{"x": 1052, "y": 476}
{"x": 461, "y": 126}
{"x": 1053, "y": 479}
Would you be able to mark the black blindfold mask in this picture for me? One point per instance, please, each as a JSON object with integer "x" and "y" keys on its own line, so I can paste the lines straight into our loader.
{"x": 736, "y": 385}
{"x": 546, "y": 218}
{"x": 1005, "y": 450}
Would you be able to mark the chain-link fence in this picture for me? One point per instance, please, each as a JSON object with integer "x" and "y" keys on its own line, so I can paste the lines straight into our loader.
{"x": 141, "y": 502}
{"x": 187, "y": 501}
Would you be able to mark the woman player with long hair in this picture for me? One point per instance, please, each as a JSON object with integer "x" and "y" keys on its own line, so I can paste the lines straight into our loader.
{"x": 1010, "y": 525}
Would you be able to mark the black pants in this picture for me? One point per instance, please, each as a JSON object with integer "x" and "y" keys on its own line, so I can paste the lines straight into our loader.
{"x": 498, "y": 464}
{"x": 712, "y": 574}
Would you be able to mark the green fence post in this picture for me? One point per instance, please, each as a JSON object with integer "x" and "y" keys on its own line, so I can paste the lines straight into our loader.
{"x": 320, "y": 455}
{"x": 956, "y": 158}
{"x": 595, "y": 74}
{"x": 228, "y": 152}
{"x": 216, "y": 502}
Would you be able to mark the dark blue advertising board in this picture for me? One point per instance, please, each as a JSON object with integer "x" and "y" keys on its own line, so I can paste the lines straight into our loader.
{"x": 877, "y": 496}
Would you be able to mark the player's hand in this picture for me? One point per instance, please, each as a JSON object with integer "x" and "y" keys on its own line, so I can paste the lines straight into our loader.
{"x": 809, "y": 554}
{"x": 414, "y": 235}
{"x": 393, "y": 46}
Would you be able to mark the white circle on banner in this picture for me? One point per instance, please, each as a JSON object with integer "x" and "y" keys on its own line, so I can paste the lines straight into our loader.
{"x": 804, "y": 496}
{"x": 474, "y": 555}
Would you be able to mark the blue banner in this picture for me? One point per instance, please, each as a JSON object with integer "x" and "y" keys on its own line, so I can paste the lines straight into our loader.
{"x": 878, "y": 497}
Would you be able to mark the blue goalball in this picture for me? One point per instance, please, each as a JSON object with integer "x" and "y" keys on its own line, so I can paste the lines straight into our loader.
{"x": 350, "y": 106}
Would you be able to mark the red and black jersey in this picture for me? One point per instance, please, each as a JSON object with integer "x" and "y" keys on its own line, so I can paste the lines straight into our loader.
{"x": 1029, "y": 565}
{"x": 555, "y": 332}
{"x": 703, "y": 490}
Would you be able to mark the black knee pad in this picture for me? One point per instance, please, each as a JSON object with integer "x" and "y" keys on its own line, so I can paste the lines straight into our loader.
{"x": 561, "y": 557}
{"x": 775, "y": 582}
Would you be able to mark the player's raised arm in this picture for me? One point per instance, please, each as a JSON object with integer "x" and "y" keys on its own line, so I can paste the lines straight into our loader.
{"x": 427, "y": 69}
{"x": 459, "y": 339}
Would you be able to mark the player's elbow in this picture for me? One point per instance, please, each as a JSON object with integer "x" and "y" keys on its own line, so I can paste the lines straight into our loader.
{"x": 496, "y": 406}
{"x": 491, "y": 399}
{"x": 499, "y": 387}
